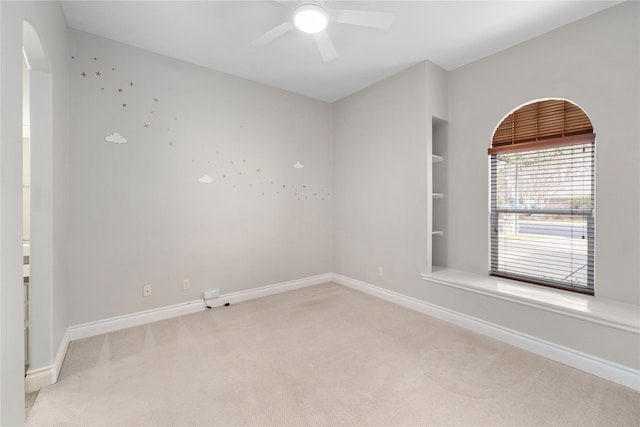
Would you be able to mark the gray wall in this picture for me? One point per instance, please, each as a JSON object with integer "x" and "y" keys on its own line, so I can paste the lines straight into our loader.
{"x": 48, "y": 20}
{"x": 380, "y": 177}
{"x": 379, "y": 160}
{"x": 135, "y": 213}
{"x": 594, "y": 63}
{"x": 139, "y": 214}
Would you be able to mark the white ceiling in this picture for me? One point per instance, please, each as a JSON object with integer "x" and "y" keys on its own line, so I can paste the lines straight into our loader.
{"x": 218, "y": 35}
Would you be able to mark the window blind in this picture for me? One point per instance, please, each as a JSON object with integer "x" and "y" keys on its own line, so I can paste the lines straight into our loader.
{"x": 542, "y": 215}
{"x": 558, "y": 122}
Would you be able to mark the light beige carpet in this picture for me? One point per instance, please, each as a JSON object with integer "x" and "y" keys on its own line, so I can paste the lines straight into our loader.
{"x": 323, "y": 355}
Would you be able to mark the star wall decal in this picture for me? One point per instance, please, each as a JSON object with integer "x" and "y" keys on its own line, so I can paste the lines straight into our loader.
{"x": 98, "y": 73}
{"x": 83, "y": 74}
{"x": 131, "y": 84}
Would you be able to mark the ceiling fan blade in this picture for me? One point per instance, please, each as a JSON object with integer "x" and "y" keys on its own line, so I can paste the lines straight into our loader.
{"x": 364, "y": 18}
{"x": 325, "y": 46}
{"x": 273, "y": 34}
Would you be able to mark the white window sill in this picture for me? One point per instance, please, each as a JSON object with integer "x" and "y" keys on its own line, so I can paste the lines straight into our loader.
{"x": 585, "y": 307}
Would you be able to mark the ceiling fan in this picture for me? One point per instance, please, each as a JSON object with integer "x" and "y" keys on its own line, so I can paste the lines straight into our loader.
{"x": 313, "y": 17}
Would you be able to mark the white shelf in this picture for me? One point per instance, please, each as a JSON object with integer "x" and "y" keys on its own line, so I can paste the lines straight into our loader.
{"x": 436, "y": 159}
{"x": 438, "y": 233}
{"x": 437, "y": 195}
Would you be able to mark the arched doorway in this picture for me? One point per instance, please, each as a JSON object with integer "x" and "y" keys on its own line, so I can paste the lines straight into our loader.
{"x": 39, "y": 346}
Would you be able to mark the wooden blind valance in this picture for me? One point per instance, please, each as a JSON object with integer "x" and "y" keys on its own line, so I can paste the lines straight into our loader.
{"x": 542, "y": 124}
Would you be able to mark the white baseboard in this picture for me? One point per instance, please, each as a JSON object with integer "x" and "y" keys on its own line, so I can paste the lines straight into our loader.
{"x": 91, "y": 329}
{"x": 41, "y": 377}
{"x": 47, "y": 375}
{"x": 62, "y": 352}
{"x": 585, "y": 362}
{"x": 38, "y": 378}
{"x": 264, "y": 291}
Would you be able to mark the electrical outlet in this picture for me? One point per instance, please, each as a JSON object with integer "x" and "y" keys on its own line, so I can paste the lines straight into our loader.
{"x": 186, "y": 284}
{"x": 146, "y": 291}
{"x": 379, "y": 271}
{"x": 211, "y": 293}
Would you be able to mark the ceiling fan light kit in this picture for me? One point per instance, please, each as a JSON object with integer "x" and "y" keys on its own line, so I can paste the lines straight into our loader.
{"x": 311, "y": 18}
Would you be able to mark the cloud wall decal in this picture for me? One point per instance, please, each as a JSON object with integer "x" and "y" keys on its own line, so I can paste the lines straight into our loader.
{"x": 298, "y": 165}
{"x": 116, "y": 138}
{"x": 205, "y": 179}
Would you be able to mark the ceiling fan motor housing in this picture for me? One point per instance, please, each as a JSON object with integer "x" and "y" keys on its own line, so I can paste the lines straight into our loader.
{"x": 311, "y": 18}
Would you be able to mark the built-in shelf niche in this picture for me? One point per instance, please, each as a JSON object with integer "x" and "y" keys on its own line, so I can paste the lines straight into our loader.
{"x": 438, "y": 189}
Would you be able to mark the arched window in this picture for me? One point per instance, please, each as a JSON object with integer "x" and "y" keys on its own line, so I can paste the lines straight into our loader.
{"x": 542, "y": 196}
